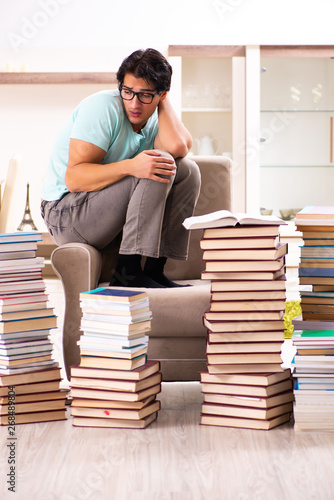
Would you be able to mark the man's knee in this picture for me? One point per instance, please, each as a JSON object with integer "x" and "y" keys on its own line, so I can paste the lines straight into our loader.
{"x": 165, "y": 154}
{"x": 190, "y": 170}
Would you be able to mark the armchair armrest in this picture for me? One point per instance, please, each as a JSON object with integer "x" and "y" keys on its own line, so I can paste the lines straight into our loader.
{"x": 79, "y": 268}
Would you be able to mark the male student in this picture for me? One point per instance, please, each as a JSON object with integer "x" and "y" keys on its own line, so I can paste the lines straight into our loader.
{"x": 118, "y": 169}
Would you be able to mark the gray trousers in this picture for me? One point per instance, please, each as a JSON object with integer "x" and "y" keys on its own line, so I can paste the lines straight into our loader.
{"x": 146, "y": 214}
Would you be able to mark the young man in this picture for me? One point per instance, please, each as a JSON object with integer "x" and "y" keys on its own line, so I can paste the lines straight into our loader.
{"x": 118, "y": 169}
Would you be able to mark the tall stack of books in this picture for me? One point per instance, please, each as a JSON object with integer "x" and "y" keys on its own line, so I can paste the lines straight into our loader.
{"x": 245, "y": 384}
{"x": 29, "y": 376}
{"x": 114, "y": 385}
{"x": 313, "y": 334}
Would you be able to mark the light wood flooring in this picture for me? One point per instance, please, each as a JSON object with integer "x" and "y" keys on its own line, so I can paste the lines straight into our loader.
{"x": 175, "y": 458}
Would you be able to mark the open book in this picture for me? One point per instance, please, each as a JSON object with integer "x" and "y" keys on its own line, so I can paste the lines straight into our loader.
{"x": 223, "y": 218}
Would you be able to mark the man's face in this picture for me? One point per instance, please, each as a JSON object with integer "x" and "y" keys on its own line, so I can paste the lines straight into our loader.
{"x": 137, "y": 112}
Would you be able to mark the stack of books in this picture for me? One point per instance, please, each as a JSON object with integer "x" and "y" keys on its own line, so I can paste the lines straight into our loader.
{"x": 245, "y": 384}
{"x": 114, "y": 385}
{"x": 316, "y": 267}
{"x": 26, "y": 320}
{"x": 313, "y": 334}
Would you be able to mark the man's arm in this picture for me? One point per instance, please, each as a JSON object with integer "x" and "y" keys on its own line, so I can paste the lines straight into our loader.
{"x": 85, "y": 172}
{"x": 173, "y": 137}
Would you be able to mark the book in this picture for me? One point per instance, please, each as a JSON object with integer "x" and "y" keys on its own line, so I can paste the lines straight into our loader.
{"x": 313, "y": 316}
{"x": 316, "y": 280}
{"x": 114, "y": 423}
{"x": 112, "y": 363}
{"x": 243, "y": 276}
{"x": 26, "y": 306}
{"x": 242, "y": 266}
{"x": 316, "y": 263}
{"x": 101, "y": 403}
{"x": 270, "y": 254}
{"x": 91, "y": 341}
{"x": 245, "y": 296}
{"x": 31, "y": 377}
{"x": 239, "y": 358}
{"x": 116, "y": 384}
{"x": 250, "y": 401}
{"x": 12, "y": 264}
{"x": 243, "y": 315}
{"x": 17, "y": 246}
{"x": 247, "y": 423}
{"x": 28, "y": 398}
{"x": 316, "y": 212}
{"x": 253, "y": 379}
{"x": 116, "y": 413}
{"x": 242, "y": 326}
{"x": 25, "y": 254}
{"x": 115, "y": 319}
{"x": 19, "y": 370}
{"x": 246, "y": 285}
{"x": 319, "y": 242}
{"x": 26, "y": 314}
{"x": 246, "y": 412}
{"x": 113, "y": 294}
{"x": 312, "y": 335}
{"x": 88, "y": 325}
{"x": 241, "y": 337}
{"x": 241, "y": 232}
{"x": 14, "y": 349}
{"x": 23, "y": 298}
{"x": 140, "y": 373}
{"x": 324, "y": 251}
{"x": 22, "y": 286}
{"x": 24, "y": 335}
{"x": 119, "y": 353}
{"x": 20, "y": 276}
{"x": 31, "y": 390}
{"x": 35, "y": 406}
{"x": 246, "y": 390}
{"x": 79, "y": 392}
{"x": 126, "y": 311}
{"x": 247, "y": 305}
{"x": 245, "y": 368}
{"x": 20, "y": 237}
{"x": 223, "y": 218}
{"x": 317, "y": 235}
{"x": 239, "y": 243}
{"x": 34, "y": 417}
{"x": 27, "y": 324}
{"x": 300, "y": 324}
{"x": 22, "y": 363}
{"x": 243, "y": 347}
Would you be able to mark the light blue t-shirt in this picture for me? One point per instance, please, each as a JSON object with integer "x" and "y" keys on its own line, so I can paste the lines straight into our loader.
{"x": 101, "y": 120}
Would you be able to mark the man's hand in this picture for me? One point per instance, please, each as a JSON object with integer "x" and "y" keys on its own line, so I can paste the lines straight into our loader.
{"x": 151, "y": 165}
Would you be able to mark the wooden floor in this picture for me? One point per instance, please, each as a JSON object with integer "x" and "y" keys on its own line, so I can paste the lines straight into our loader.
{"x": 175, "y": 458}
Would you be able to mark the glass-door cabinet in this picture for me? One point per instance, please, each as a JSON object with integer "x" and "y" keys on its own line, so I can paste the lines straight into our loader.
{"x": 296, "y": 148}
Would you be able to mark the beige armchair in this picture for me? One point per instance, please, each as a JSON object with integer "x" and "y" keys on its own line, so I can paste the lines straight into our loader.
{"x": 178, "y": 337}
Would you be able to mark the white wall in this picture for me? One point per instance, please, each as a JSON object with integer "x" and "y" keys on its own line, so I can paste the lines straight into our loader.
{"x": 81, "y": 35}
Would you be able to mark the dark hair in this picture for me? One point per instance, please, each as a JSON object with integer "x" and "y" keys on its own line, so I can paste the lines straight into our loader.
{"x": 150, "y": 65}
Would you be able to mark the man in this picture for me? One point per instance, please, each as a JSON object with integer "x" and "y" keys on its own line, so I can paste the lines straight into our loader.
{"x": 118, "y": 168}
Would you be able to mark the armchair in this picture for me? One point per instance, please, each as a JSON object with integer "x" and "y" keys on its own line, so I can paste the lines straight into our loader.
{"x": 177, "y": 337}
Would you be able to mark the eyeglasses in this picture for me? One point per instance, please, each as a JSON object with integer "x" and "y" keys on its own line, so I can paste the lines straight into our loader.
{"x": 143, "y": 97}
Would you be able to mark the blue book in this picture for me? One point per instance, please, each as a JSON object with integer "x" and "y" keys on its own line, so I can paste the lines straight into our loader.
{"x": 316, "y": 271}
{"x": 113, "y": 294}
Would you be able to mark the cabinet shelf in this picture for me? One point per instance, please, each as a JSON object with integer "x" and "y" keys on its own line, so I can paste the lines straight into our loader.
{"x": 57, "y": 78}
{"x": 297, "y": 166}
{"x": 297, "y": 110}
{"x": 206, "y": 110}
